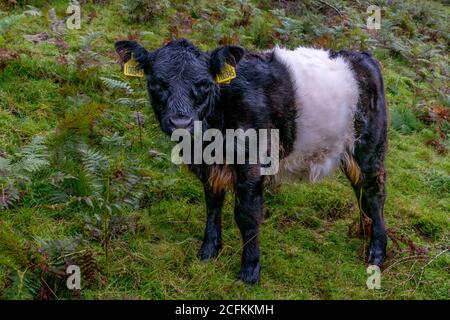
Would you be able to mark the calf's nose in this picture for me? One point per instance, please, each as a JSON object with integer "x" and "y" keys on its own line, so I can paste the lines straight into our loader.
{"x": 181, "y": 122}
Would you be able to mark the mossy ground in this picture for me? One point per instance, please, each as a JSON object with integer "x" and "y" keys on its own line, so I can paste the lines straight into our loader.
{"x": 306, "y": 249}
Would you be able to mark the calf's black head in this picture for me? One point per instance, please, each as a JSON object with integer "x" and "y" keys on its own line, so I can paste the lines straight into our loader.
{"x": 180, "y": 79}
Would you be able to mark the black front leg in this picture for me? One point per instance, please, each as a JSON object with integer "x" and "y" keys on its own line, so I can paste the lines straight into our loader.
{"x": 212, "y": 241}
{"x": 248, "y": 215}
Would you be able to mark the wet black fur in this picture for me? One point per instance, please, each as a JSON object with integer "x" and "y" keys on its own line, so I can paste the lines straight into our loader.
{"x": 181, "y": 85}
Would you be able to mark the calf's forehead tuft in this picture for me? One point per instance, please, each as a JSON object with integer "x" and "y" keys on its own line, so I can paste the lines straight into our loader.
{"x": 181, "y": 46}
{"x": 180, "y": 62}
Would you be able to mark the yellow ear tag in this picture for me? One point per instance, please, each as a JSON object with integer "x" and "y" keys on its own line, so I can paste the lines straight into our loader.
{"x": 131, "y": 68}
{"x": 227, "y": 74}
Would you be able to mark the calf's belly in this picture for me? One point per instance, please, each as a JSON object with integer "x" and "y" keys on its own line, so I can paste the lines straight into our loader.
{"x": 326, "y": 95}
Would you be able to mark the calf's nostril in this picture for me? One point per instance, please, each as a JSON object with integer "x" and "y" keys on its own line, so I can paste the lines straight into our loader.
{"x": 181, "y": 122}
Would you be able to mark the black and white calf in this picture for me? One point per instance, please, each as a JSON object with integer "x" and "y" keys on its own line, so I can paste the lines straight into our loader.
{"x": 329, "y": 108}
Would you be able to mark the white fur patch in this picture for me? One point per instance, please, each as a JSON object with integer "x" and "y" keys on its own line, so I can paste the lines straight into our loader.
{"x": 326, "y": 97}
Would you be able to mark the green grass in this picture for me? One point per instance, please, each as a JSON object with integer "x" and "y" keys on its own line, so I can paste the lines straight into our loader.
{"x": 307, "y": 251}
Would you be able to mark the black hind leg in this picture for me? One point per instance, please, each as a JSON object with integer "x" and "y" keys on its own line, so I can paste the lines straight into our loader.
{"x": 365, "y": 168}
{"x": 371, "y": 196}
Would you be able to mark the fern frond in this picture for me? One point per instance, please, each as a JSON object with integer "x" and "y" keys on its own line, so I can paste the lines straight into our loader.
{"x": 33, "y": 157}
{"x": 95, "y": 167}
{"x": 5, "y": 166}
{"x": 114, "y": 140}
{"x": 87, "y": 40}
{"x": 132, "y": 102}
{"x": 142, "y": 101}
{"x": 8, "y": 196}
{"x": 125, "y": 101}
{"x": 117, "y": 84}
{"x": 8, "y": 21}
{"x": 32, "y": 11}
{"x": 93, "y": 161}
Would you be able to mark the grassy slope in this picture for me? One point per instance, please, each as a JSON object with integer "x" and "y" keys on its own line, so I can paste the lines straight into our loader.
{"x": 306, "y": 250}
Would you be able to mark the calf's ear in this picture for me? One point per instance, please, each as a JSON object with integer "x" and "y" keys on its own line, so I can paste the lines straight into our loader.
{"x": 228, "y": 54}
{"x": 126, "y": 49}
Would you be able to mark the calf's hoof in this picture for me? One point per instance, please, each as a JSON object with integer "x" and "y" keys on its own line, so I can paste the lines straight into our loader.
{"x": 250, "y": 273}
{"x": 209, "y": 250}
{"x": 377, "y": 252}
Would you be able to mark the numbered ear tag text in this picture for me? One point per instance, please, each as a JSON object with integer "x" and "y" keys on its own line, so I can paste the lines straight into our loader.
{"x": 131, "y": 69}
{"x": 227, "y": 74}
